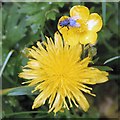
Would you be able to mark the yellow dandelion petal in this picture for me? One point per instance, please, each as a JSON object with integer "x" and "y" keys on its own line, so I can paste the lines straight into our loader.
{"x": 60, "y": 74}
{"x": 33, "y": 64}
{"x": 58, "y": 41}
{"x": 96, "y": 76}
{"x": 28, "y": 74}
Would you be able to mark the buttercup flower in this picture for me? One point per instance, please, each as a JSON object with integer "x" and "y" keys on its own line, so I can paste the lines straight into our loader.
{"x": 60, "y": 74}
{"x": 80, "y": 27}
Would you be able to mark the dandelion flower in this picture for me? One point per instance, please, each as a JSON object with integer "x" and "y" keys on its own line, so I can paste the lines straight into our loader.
{"x": 60, "y": 75}
{"x": 89, "y": 25}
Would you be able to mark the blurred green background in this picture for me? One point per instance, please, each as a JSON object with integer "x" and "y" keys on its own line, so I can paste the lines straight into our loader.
{"x": 25, "y": 23}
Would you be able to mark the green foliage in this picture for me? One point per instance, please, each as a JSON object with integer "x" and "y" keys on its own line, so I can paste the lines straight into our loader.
{"x": 109, "y": 34}
{"x": 37, "y": 14}
{"x": 104, "y": 68}
{"x": 14, "y": 28}
{"x": 92, "y": 51}
{"x": 23, "y": 90}
{"x": 25, "y": 23}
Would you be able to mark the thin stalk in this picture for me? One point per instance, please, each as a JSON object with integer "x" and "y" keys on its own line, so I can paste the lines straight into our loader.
{"x": 6, "y": 61}
{"x": 104, "y": 11}
{"x": 83, "y": 51}
{"x": 26, "y": 112}
{"x": 111, "y": 59}
{"x": 49, "y": 31}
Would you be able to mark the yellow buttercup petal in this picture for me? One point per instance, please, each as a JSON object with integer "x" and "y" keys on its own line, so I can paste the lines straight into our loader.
{"x": 94, "y": 22}
{"x": 88, "y": 37}
{"x": 71, "y": 37}
{"x": 74, "y": 36}
{"x": 83, "y": 26}
{"x": 61, "y": 28}
{"x": 80, "y": 11}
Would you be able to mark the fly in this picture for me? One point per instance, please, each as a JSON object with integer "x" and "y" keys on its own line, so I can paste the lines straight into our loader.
{"x": 69, "y": 22}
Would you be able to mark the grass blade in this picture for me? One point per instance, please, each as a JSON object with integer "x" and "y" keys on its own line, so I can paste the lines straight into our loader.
{"x": 6, "y": 61}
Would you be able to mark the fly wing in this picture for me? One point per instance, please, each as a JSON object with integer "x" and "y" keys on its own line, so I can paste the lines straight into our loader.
{"x": 75, "y": 17}
{"x": 77, "y": 25}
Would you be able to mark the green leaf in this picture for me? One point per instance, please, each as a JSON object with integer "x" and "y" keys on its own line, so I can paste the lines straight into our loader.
{"x": 29, "y": 40}
{"x": 23, "y": 90}
{"x": 35, "y": 27}
{"x": 14, "y": 27}
{"x": 37, "y": 13}
{"x": 43, "y": 36}
{"x": 95, "y": 60}
{"x": 29, "y": 8}
{"x": 52, "y": 14}
{"x": 104, "y": 68}
{"x": 36, "y": 18}
{"x": 61, "y": 4}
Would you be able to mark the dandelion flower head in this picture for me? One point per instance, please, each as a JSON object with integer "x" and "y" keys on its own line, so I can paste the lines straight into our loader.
{"x": 60, "y": 75}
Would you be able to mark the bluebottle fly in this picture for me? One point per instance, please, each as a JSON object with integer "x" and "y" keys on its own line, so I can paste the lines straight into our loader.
{"x": 69, "y": 22}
